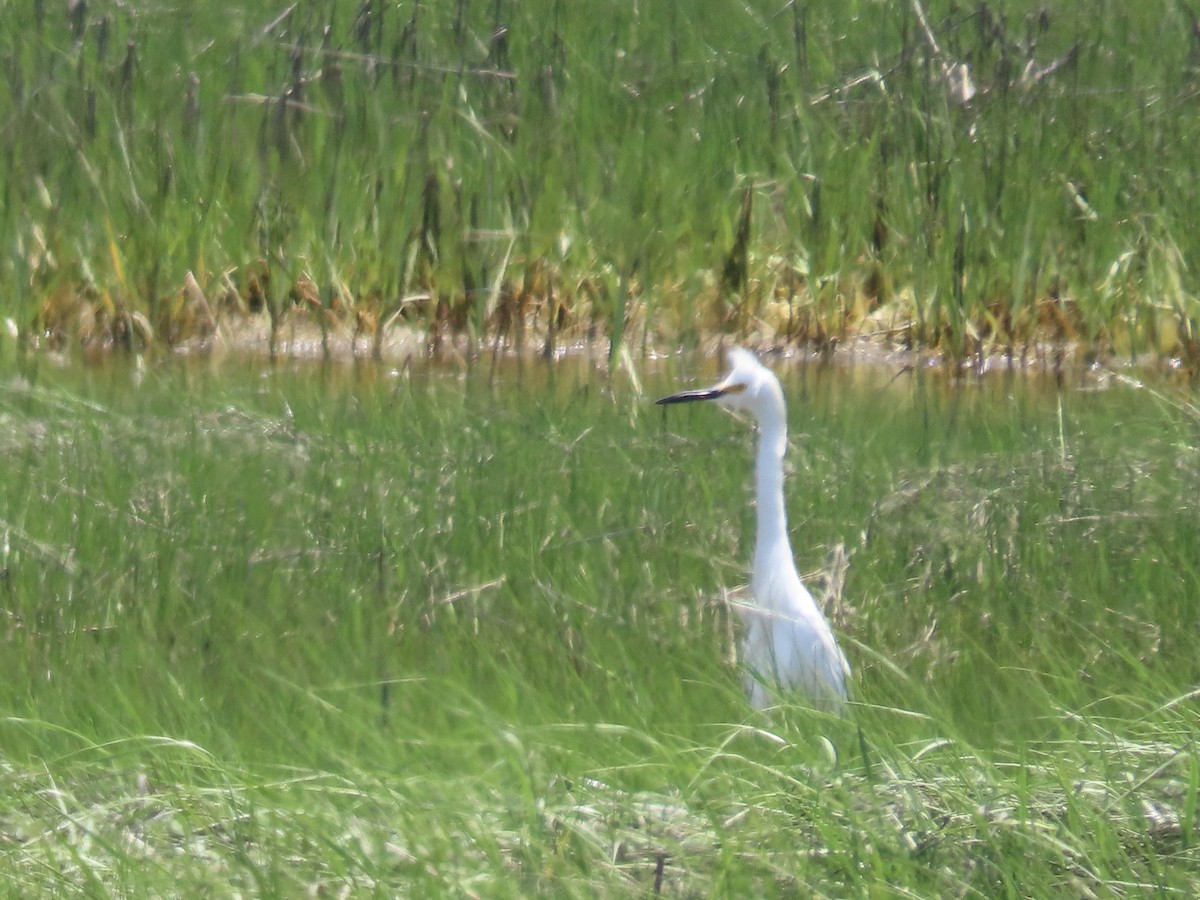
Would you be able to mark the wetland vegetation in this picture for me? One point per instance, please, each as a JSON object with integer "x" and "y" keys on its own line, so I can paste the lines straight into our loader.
{"x": 967, "y": 177}
{"x": 344, "y": 629}
{"x": 371, "y": 626}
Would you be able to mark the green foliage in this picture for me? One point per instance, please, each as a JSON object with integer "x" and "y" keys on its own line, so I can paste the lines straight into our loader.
{"x": 344, "y": 629}
{"x": 461, "y": 164}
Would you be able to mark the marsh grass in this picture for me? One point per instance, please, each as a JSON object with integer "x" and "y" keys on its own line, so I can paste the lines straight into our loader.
{"x": 962, "y": 177}
{"x": 348, "y": 630}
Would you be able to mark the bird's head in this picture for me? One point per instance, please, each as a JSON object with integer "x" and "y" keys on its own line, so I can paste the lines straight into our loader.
{"x": 748, "y": 386}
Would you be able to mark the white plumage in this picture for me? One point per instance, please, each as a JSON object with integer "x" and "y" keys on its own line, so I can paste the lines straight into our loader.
{"x": 788, "y": 643}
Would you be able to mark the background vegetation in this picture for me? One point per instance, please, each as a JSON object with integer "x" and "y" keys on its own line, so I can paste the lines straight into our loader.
{"x": 966, "y": 176}
{"x": 334, "y": 631}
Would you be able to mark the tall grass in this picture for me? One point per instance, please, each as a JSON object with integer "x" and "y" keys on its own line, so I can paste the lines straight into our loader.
{"x": 342, "y": 629}
{"x": 523, "y": 172}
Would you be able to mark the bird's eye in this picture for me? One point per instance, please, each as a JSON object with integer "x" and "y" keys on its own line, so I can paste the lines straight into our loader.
{"x": 736, "y": 388}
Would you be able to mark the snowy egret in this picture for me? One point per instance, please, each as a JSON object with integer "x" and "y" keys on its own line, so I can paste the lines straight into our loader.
{"x": 788, "y": 642}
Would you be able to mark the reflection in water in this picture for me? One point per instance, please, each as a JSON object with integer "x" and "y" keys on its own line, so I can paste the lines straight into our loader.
{"x": 818, "y": 386}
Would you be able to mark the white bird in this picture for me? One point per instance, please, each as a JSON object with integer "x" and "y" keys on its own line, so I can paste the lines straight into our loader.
{"x": 788, "y": 642}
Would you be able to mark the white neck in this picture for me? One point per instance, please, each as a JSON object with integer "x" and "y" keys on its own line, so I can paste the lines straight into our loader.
{"x": 772, "y": 551}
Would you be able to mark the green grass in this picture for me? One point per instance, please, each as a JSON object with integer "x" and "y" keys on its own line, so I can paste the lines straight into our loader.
{"x": 532, "y": 172}
{"x": 342, "y": 629}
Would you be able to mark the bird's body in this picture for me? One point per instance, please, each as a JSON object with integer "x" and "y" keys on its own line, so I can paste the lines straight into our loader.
{"x": 788, "y": 643}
